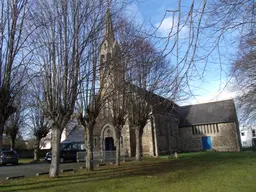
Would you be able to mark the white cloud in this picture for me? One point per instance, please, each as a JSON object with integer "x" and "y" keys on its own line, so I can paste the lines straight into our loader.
{"x": 211, "y": 91}
{"x": 211, "y": 97}
{"x": 171, "y": 23}
{"x": 216, "y": 96}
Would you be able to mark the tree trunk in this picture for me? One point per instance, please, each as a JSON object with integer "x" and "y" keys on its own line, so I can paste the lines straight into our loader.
{"x": 54, "y": 168}
{"x": 117, "y": 147}
{"x": 36, "y": 156}
{"x": 36, "y": 151}
{"x": 138, "y": 134}
{"x": 118, "y": 151}
{"x": 89, "y": 149}
{"x": 1, "y": 134}
{"x": 13, "y": 139}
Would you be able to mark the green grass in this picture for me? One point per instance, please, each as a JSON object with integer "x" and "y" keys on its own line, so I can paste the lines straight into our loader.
{"x": 192, "y": 172}
{"x": 25, "y": 160}
{"x": 28, "y": 160}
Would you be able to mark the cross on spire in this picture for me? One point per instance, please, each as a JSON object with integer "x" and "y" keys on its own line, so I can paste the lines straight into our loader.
{"x": 109, "y": 32}
{"x": 108, "y": 3}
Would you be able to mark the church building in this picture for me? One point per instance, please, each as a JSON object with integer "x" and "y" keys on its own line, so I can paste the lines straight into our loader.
{"x": 208, "y": 126}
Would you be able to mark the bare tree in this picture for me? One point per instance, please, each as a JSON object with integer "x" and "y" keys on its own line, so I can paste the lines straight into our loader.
{"x": 62, "y": 40}
{"x": 90, "y": 102}
{"x": 244, "y": 72}
{"x": 202, "y": 35}
{"x": 118, "y": 99}
{"x": 14, "y": 124}
{"x": 91, "y": 96}
{"x": 40, "y": 130}
{"x": 98, "y": 86}
{"x": 14, "y": 32}
{"x": 182, "y": 40}
{"x": 37, "y": 124}
{"x": 150, "y": 80}
{"x": 12, "y": 128}
{"x": 120, "y": 109}
{"x": 145, "y": 74}
{"x": 230, "y": 34}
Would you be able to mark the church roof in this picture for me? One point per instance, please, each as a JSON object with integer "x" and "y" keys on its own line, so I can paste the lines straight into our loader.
{"x": 214, "y": 112}
{"x": 158, "y": 103}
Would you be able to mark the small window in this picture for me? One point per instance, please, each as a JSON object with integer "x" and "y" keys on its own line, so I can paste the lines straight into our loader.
{"x": 95, "y": 141}
{"x": 244, "y": 143}
{"x": 254, "y": 142}
{"x": 254, "y": 133}
{"x": 109, "y": 56}
{"x": 102, "y": 59}
{"x": 243, "y": 134}
{"x": 193, "y": 130}
{"x": 79, "y": 145}
{"x": 74, "y": 146}
{"x": 82, "y": 147}
{"x": 217, "y": 127}
{"x": 68, "y": 147}
{"x": 205, "y": 129}
{"x": 122, "y": 142}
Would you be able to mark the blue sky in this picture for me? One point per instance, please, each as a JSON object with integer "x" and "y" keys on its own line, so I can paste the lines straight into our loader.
{"x": 209, "y": 86}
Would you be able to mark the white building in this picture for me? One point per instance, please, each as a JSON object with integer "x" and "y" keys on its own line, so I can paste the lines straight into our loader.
{"x": 248, "y": 136}
{"x": 72, "y": 132}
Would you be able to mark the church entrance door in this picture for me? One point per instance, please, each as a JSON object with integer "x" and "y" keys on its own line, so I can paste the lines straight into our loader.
{"x": 109, "y": 144}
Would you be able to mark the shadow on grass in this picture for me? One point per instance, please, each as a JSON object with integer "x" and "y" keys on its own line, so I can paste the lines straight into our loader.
{"x": 148, "y": 168}
{"x": 216, "y": 156}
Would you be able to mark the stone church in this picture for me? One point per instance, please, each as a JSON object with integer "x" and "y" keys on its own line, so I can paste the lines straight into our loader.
{"x": 208, "y": 126}
{"x": 172, "y": 128}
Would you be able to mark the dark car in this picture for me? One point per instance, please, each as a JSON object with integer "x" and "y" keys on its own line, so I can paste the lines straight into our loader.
{"x": 8, "y": 157}
{"x": 68, "y": 151}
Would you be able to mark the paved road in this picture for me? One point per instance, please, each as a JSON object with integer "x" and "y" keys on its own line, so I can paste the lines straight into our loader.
{"x": 30, "y": 170}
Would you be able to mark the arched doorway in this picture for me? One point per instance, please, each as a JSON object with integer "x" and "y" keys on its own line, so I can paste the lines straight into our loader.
{"x": 108, "y": 138}
{"x": 109, "y": 144}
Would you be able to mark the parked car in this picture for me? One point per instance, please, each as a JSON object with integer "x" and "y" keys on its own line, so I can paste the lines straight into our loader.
{"x": 68, "y": 151}
{"x": 9, "y": 157}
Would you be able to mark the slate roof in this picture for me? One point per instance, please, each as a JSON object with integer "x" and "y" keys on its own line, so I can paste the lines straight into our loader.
{"x": 214, "y": 112}
{"x": 159, "y": 103}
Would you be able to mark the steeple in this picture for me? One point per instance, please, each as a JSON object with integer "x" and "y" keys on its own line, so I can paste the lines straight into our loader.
{"x": 109, "y": 32}
{"x": 108, "y": 52}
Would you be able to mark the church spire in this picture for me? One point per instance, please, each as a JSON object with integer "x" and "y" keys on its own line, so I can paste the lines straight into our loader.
{"x": 109, "y": 32}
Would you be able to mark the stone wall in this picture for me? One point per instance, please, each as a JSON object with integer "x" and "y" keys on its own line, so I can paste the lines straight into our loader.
{"x": 132, "y": 142}
{"x": 98, "y": 140}
{"x": 188, "y": 141}
{"x": 147, "y": 140}
{"x": 167, "y": 133}
{"x": 162, "y": 134}
{"x": 174, "y": 134}
{"x": 104, "y": 128}
{"x": 126, "y": 140}
{"x": 225, "y": 139}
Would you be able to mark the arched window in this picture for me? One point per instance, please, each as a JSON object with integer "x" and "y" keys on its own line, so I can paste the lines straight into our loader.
{"x": 95, "y": 141}
{"x": 102, "y": 65}
{"x": 109, "y": 57}
{"x": 122, "y": 141}
{"x": 102, "y": 60}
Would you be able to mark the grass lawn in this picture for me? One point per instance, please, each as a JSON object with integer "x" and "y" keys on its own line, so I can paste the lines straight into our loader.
{"x": 27, "y": 160}
{"x": 204, "y": 171}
